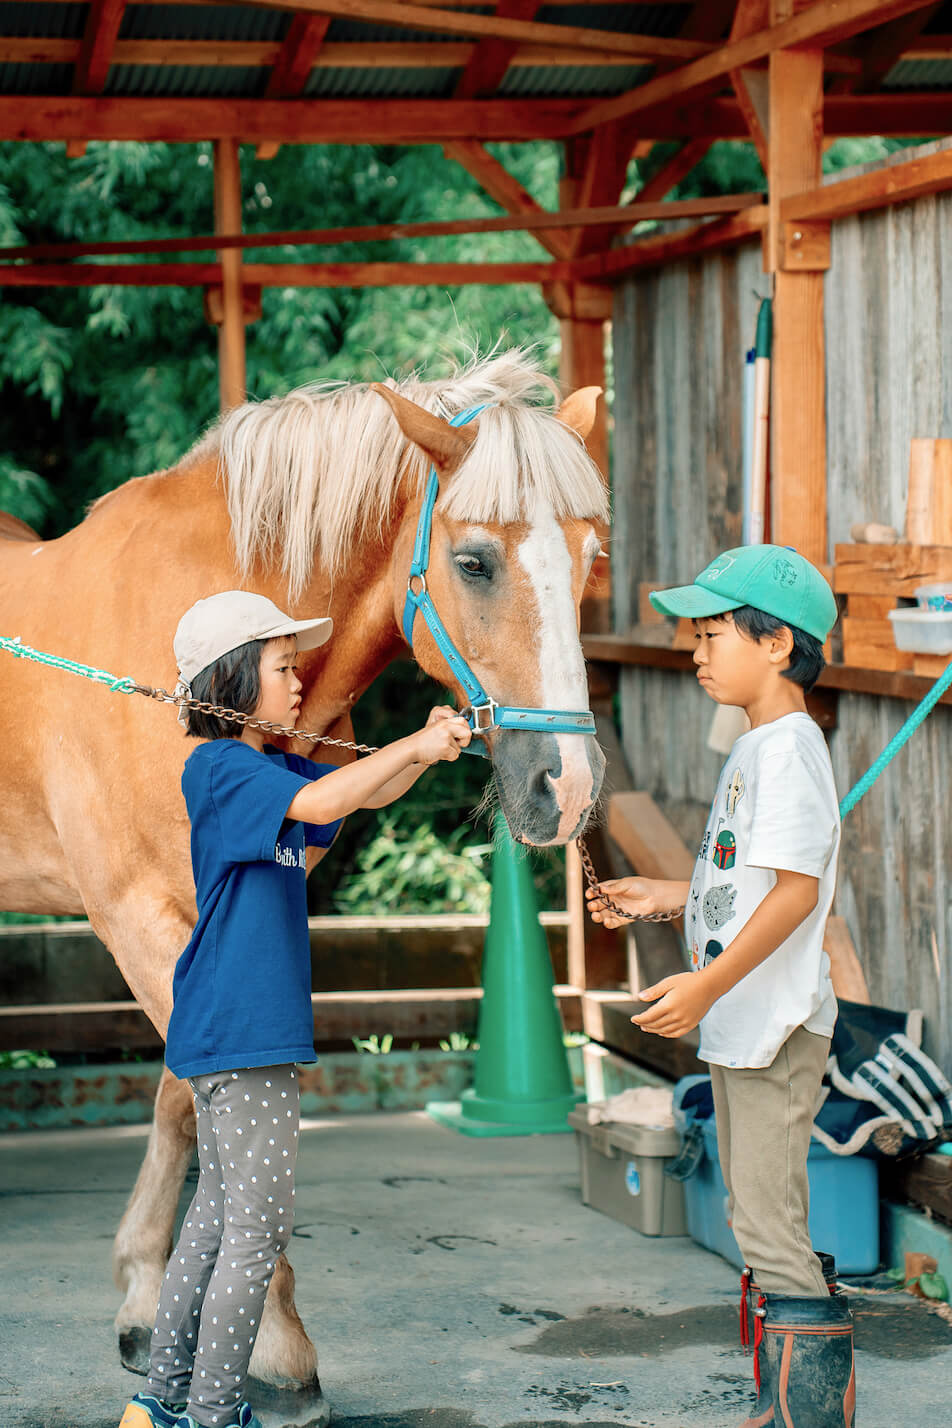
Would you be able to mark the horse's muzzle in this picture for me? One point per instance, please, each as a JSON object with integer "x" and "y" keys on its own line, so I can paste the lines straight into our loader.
{"x": 547, "y": 783}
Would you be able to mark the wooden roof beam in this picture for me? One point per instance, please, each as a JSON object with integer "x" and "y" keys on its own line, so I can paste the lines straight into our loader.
{"x": 356, "y": 54}
{"x": 486, "y": 67}
{"x": 434, "y": 20}
{"x": 896, "y": 183}
{"x": 297, "y": 55}
{"x": 678, "y": 167}
{"x": 280, "y": 275}
{"x": 820, "y": 25}
{"x": 402, "y": 121}
{"x": 881, "y": 49}
{"x": 750, "y": 84}
{"x": 98, "y": 42}
{"x": 505, "y": 190}
{"x": 539, "y": 219}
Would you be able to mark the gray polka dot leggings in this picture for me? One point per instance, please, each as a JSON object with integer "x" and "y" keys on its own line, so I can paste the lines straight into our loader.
{"x": 236, "y": 1226}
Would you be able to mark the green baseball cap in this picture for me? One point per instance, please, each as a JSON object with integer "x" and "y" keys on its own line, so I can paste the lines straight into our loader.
{"x": 772, "y": 578}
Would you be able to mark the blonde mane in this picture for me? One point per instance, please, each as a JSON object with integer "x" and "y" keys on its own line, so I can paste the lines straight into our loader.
{"x": 310, "y": 474}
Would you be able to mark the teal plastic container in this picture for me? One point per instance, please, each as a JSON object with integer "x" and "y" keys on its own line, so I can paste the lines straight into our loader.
{"x": 844, "y": 1206}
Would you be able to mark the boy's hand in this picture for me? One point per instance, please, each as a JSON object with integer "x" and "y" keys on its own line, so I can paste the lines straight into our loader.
{"x": 639, "y": 896}
{"x": 681, "y": 1002}
{"x": 445, "y": 733}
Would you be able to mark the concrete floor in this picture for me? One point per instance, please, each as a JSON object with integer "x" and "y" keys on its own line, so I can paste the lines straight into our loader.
{"x": 448, "y": 1283}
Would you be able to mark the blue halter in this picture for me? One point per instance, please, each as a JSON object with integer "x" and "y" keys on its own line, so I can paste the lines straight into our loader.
{"x": 484, "y": 714}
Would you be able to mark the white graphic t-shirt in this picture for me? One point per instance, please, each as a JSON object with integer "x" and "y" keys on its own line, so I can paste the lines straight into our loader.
{"x": 775, "y": 807}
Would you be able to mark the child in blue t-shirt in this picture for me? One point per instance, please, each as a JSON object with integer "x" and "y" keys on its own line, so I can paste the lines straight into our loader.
{"x": 242, "y": 988}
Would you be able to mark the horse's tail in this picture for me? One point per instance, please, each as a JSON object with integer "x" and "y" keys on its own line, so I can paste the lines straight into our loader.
{"x": 12, "y": 528}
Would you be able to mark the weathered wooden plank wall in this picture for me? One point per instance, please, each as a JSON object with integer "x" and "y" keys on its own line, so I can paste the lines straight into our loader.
{"x": 679, "y": 339}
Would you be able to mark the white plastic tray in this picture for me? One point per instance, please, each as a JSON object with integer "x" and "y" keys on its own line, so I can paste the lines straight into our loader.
{"x": 923, "y": 631}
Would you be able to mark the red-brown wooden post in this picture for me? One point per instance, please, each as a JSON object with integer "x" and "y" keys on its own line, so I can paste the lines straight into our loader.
{"x": 231, "y": 331}
{"x": 798, "y": 407}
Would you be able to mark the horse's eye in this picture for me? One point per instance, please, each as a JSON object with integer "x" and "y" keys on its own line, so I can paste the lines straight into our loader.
{"x": 472, "y": 565}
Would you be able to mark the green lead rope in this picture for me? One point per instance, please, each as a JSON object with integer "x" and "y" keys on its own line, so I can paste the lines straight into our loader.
{"x": 17, "y": 648}
{"x": 921, "y": 712}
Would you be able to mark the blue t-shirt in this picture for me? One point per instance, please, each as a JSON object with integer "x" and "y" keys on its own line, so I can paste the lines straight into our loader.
{"x": 242, "y": 987}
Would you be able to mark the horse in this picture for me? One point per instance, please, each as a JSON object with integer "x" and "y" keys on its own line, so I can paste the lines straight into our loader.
{"x": 312, "y": 499}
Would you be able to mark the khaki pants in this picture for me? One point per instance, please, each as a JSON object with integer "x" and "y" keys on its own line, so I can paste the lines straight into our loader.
{"x": 764, "y": 1117}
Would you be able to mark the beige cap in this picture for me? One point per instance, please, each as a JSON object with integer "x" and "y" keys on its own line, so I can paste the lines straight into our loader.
{"x": 213, "y": 627}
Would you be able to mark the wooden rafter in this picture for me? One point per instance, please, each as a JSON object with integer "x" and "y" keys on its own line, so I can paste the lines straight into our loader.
{"x": 599, "y": 179}
{"x": 677, "y": 167}
{"x": 419, "y": 121}
{"x": 297, "y": 55}
{"x": 896, "y": 183}
{"x": 96, "y": 47}
{"x": 820, "y": 25}
{"x": 433, "y": 20}
{"x": 537, "y": 220}
{"x": 280, "y": 275}
{"x": 353, "y": 54}
{"x": 750, "y": 84}
{"x": 658, "y": 249}
{"x": 882, "y": 49}
{"x": 505, "y": 190}
{"x": 490, "y": 59}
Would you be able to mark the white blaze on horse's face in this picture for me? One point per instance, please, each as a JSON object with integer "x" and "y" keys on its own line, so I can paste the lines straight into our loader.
{"x": 556, "y": 583}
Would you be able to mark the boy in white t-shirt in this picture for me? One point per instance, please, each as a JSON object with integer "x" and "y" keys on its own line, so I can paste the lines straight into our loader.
{"x": 754, "y": 918}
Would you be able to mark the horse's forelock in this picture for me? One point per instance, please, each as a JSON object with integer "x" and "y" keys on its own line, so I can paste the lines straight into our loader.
{"x": 316, "y": 471}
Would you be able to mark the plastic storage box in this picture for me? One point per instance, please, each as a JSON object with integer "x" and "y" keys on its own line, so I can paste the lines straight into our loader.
{"x": 622, "y": 1169}
{"x": 844, "y": 1206}
{"x": 923, "y": 631}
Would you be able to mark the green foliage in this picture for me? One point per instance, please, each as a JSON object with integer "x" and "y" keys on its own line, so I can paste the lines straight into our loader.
{"x": 459, "y": 1041}
{"x": 24, "y": 1060}
{"x": 109, "y": 382}
{"x": 374, "y": 1045}
{"x": 416, "y": 870}
{"x": 933, "y": 1285}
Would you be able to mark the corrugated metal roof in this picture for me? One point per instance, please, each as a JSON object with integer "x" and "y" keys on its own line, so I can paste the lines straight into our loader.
{"x": 60, "y": 21}
{"x": 201, "y": 22}
{"x": 36, "y": 78}
{"x": 152, "y": 81}
{"x": 235, "y": 23}
{"x": 920, "y": 74}
{"x": 570, "y": 81}
{"x": 381, "y": 83}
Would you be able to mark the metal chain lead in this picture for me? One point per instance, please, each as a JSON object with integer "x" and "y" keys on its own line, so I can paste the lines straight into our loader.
{"x": 184, "y": 702}
{"x": 607, "y": 904}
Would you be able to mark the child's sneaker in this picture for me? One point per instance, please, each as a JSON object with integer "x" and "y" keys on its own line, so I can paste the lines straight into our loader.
{"x": 147, "y": 1411}
{"x": 244, "y": 1418}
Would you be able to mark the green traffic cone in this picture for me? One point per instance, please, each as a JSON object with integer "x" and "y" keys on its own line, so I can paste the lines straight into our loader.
{"x": 522, "y": 1081}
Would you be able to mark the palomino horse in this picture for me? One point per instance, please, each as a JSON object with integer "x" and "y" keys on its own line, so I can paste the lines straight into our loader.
{"x": 311, "y": 499}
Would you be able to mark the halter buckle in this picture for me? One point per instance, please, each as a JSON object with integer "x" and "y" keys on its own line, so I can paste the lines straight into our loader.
{"x": 416, "y": 575}
{"x": 475, "y": 712}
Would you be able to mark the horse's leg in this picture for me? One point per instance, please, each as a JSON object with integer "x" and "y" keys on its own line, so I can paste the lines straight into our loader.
{"x": 144, "y": 1239}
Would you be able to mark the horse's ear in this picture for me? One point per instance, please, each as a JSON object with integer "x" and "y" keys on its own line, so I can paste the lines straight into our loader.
{"x": 578, "y": 410}
{"x": 444, "y": 444}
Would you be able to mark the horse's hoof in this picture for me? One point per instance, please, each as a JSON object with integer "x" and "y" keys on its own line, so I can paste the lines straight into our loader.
{"x": 134, "y": 1347}
{"x": 289, "y": 1407}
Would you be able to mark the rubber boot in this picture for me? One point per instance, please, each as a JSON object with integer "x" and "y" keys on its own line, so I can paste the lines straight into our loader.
{"x": 750, "y": 1295}
{"x": 806, "y": 1353}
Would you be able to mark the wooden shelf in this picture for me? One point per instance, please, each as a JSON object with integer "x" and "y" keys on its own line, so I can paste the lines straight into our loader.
{"x": 617, "y": 649}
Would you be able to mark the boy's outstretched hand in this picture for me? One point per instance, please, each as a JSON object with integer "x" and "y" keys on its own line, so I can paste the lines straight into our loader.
{"x": 639, "y": 897}
{"x": 680, "y": 1003}
{"x": 445, "y": 733}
